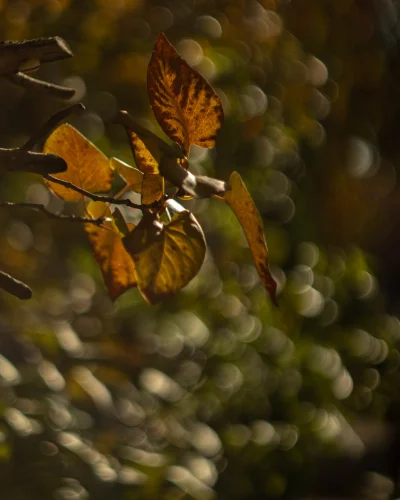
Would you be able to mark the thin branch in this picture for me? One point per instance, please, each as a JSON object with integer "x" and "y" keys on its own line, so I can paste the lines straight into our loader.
{"x": 15, "y": 54}
{"x": 41, "y": 208}
{"x": 96, "y": 197}
{"x": 14, "y": 286}
{"x": 50, "y": 124}
{"x": 21, "y": 160}
{"x": 28, "y": 82}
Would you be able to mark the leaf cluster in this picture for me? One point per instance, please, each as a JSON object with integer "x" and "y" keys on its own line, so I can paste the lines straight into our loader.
{"x": 165, "y": 250}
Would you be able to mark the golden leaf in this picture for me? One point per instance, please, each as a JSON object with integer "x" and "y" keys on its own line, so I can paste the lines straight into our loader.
{"x": 167, "y": 256}
{"x": 115, "y": 263}
{"x": 240, "y": 201}
{"x": 132, "y": 176}
{"x": 144, "y": 159}
{"x": 152, "y": 188}
{"x": 88, "y": 168}
{"x": 184, "y": 103}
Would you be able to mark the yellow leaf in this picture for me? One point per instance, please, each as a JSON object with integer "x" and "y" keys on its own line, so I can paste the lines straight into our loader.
{"x": 88, "y": 168}
{"x": 132, "y": 176}
{"x": 115, "y": 263}
{"x": 152, "y": 188}
{"x": 167, "y": 256}
{"x": 144, "y": 159}
{"x": 184, "y": 103}
{"x": 240, "y": 201}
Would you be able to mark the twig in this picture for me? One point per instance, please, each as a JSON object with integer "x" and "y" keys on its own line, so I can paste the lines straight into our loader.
{"x": 20, "y": 160}
{"x": 14, "y": 286}
{"x": 41, "y": 208}
{"x": 29, "y": 82}
{"x": 152, "y": 141}
{"x": 96, "y": 197}
{"x": 13, "y": 54}
{"x": 50, "y": 124}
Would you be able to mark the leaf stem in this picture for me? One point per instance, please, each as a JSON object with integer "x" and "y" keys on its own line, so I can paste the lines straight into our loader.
{"x": 41, "y": 208}
{"x": 95, "y": 197}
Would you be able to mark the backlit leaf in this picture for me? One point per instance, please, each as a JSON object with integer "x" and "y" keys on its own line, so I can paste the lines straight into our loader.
{"x": 132, "y": 176}
{"x": 152, "y": 188}
{"x": 167, "y": 256}
{"x": 240, "y": 201}
{"x": 115, "y": 263}
{"x": 153, "y": 143}
{"x": 88, "y": 168}
{"x": 184, "y": 103}
{"x": 144, "y": 159}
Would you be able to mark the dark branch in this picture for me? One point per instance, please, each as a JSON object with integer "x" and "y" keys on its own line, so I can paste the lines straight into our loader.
{"x": 14, "y": 286}
{"x": 15, "y": 54}
{"x": 153, "y": 143}
{"x": 19, "y": 160}
{"x": 50, "y": 124}
{"x": 28, "y": 82}
{"x": 96, "y": 197}
{"x": 41, "y": 208}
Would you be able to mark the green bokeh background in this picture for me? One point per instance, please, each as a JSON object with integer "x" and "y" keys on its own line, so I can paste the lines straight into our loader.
{"x": 214, "y": 393}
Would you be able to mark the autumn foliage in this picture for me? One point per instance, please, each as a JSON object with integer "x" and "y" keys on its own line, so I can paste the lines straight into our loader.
{"x": 165, "y": 250}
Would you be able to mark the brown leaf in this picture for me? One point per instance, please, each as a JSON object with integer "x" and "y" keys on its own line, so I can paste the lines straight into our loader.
{"x": 132, "y": 176}
{"x": 115, "y": 263}
{"x": 184, "y": 103}
{"x": 88, "y": 168}
{"x": 240, "y": 201}
{"x": 152, "y": 188}
{"x": 167, "y": 256}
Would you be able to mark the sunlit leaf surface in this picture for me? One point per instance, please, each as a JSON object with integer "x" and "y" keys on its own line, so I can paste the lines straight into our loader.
{"x": 88, "y": 168}
{"x": 167, "y": 256}
{"x": 115, "y": 263}
{"x": 184, "y": 103}
{"x": 240, "y": 201}
{"x": 132, "y": 176}
{"x": 146, "y": 155}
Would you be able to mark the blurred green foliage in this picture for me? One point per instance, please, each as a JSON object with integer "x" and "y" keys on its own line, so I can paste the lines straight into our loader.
{"x": 215, "y": 393}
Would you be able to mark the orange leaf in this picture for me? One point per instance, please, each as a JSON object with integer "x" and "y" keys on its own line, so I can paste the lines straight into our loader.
{"x": 167, "y": 256}
{"x": 88, "y": 168}
{"x": 184, "y": 103}
{"x": 115, "y": 263}
{"x": 240, "y": 201}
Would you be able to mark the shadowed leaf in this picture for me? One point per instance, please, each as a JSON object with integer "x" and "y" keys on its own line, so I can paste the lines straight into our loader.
{"x": 240, "y": 201}
{"x": 115, "y": 263}
{"x": 184, "y": 103}
{"x": 88, "y": 168}
{"x": 132, "y": 176}
{"x": 167, "y": 256}
{"x": 152, "y": 188}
